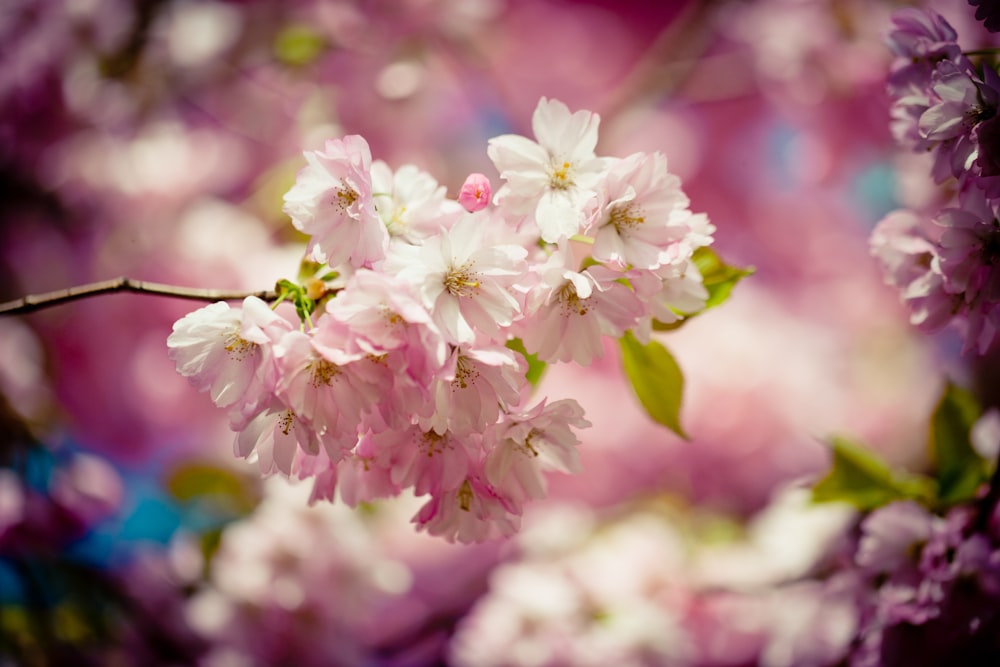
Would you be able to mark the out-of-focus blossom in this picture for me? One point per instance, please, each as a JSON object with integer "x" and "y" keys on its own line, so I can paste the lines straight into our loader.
{"x": 892, "y": 535}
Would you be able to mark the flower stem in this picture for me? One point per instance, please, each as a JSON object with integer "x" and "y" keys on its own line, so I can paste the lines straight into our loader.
{"x": 982, "y": 52}
{"x": 33, "y": 302}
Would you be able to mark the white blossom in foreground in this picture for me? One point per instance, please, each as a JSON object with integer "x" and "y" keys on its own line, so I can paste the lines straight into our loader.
{"x": 227, "y": 351}
{"x": 640, "y": 213}
{"x": 463, "y": 279}
{"x": 552, "y": 178}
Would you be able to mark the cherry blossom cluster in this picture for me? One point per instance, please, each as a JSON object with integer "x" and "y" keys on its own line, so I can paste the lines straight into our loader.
{"x": 409, "y": 367}
{"x": 945, "y": 104}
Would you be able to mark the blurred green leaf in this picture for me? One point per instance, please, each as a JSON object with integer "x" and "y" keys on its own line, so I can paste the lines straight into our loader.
{"x": 298, "y": 45}
{"x": 656, "y": 379}
{"x": 535, "y": 367}
{"x": 219, "y": 491}
{"x": 959, "y": 469}
{"x": 718, "y": 277}
{"x": 859, "y": 477}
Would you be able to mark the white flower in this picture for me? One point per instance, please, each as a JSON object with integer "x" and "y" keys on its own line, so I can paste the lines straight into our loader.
{"x": 410, "y": 202}
{"x": 641, "y": 212}
{"x": 463, "y": 279}
{"x": 226, "y": 351}
{"x": 551, "y": 179}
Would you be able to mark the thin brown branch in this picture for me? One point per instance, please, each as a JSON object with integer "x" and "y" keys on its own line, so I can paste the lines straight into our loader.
{"x": 33, "y": 302}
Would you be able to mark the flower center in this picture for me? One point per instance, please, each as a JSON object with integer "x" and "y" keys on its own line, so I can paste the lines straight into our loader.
{"x": 626, "y": 217}
{"x": 286, "y": 421}
{"x": 431, "y": 443}
{"x": 465, "y": 373}
{"x": 322, "y": 372}
{"x": 462, "y": 280}
{"x": 465, "y": 496}
{"x": 561, "y": 177}
{"x": 344, "y": 198}
{"x": 571, "y": 302}
{"x": 238, "y": 347}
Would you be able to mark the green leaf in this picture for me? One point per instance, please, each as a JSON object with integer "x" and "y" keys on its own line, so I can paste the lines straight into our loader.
{"x": 718, "y": 278}
{"x": 535, "y": 367}
{"x": 298, "y": 45}
{"x": 859, "y": 477}
{"x": 960, "y": 470}
{"x": 656, "y": 379}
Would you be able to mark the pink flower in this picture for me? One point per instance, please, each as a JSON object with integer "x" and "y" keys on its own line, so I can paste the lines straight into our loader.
{"x": 527, "y": 444}
{"x": 470, "y": 513}
{"x": 669, "y": 293}
{"x": 475, "y": 193}
{"x": 327, "y": 386}
{"x": 362, "y": 480}
{"x": 272, "y": 437}
{"x": 410, "y": 202}
{"x": 426, "y": 460}
{"x": 385, "y": 316}
{"x": 893, "y": 535}
{"x": 573, "y": 310}
{"x": 332, "y": 202}
{"x": 480, "y": 382}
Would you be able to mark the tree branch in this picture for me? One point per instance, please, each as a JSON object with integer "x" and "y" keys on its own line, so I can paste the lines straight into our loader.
{"x": 34, "y": 302}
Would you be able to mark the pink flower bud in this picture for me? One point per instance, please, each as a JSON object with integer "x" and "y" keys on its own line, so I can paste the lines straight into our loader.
{"x": 475, "y": 193}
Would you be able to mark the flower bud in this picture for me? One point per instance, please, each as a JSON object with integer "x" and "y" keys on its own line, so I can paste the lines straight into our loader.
{"x": 475, "y": 193}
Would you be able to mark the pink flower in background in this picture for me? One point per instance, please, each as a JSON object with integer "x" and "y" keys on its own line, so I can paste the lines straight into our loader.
{"x": 475, "y": 193}
{"x": 332, "y": 201}
{"x": 893, "y": 535}
{"x": 550, "y": 179}
{"x": 968, "y": 248}
{"x": 920, "y": 39}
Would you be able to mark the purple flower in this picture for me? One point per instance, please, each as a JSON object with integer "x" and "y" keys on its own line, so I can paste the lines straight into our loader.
{"x": 920, "y": 39}
{"x": 893, "y": 535}
{"x": 988, "y": 11}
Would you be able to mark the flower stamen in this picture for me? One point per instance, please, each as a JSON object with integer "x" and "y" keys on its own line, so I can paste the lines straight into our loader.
{"x": 462, "y": 280}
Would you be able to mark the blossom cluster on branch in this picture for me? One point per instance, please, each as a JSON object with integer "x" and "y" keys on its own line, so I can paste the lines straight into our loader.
{"x": 945, "y": 103}
{"x": 411, "y": 366}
